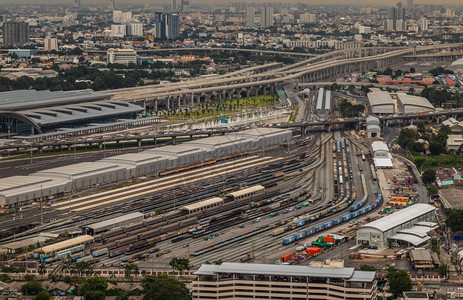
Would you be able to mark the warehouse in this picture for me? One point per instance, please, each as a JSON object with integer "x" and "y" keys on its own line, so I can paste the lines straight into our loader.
{"x": 392, "y": 228}
{"x": 179, "y": 155}
{"x": 106, "y": 225}
{"x": 409, "y": 104}
{"x": 381, "y": 156}
{"x": 451, "y": 198}
{"x": 80, "y": 240}
{"x": 220, "y": 146}
{"x": 19, "y": 190}
{"x": 18, "y": 246}
{"x": 381, "y": 103}
{"x": 266, "y": 136}
{"x": 86, "y": 174}
{"x": 139, "y": 164}
{"x": 373, "y": 129}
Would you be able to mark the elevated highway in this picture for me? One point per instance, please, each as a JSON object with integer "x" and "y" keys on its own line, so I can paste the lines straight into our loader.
{"x": 244, "y": 84}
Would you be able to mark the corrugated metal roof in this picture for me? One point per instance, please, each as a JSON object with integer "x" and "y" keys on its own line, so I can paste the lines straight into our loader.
{"x": 381, "y": 103}
{"x": 83, "y": 239}
{"x": 81, "y": 169}
{"x": 283, "y": 270}
{"x": 411, "y": 100}
{"x": 114, "y": 221}
{"x": 319, "y": 105}
{"x": 409, "y": 238}
{"x": 248, "y": 190}
{"x": 400, "y": 217}
{"x": 379, "y": 146}
{"x": 203, "y": 203}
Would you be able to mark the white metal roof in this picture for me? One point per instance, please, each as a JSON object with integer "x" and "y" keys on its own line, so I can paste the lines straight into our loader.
{"x": 414, "y": 101}
{"x": 383, "y": 162}
{"x": 381, "y": 103}
{"x": 81, "y": 169}
{"x": 248, "y": 190}
{"x": 203, "y": 203}
{"x": 283, "y": 270}
{"x": 125, "y": 218}
{"x": 410, "y": 238}
{"x": 372, "y": 120}
{"x": 379, "y": 146}
{"x": 373, "y": 128}
{"x": 400, "y": 217}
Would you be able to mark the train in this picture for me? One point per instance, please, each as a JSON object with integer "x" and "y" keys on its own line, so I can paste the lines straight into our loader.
{"x": 336, "y": 221}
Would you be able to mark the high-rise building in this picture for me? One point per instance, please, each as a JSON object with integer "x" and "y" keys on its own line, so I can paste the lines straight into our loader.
{"x": 77, "y": 3}
{"x": 266, "y": 16}
{"x": 122, "y": 17}
{"x": 117, "y": 16}
{"x": 307, "y": 18}
{"x": 174, "y": 5}
{"x": 410, "y": 3}
{"x": 424, "y": 24}
{"x": 50, "y": 44}
{"x": 167, "y": 25}
{"x": 395, "y": 18}
{"x": 135, "y": 29}
{"x": 185, "y": 5}
{"x": 15, "y": 33}
{"x": 250, "y": 16}
{"x": 118, "y": 30}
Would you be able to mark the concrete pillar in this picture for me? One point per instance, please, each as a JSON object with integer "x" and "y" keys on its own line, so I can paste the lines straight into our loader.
{"x": 139, "y": 142}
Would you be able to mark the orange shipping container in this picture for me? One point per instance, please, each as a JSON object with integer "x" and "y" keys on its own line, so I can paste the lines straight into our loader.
{"x": 286, "y": 257}
{"x": 313, "y": 250}
{"x": 328, "y": 239}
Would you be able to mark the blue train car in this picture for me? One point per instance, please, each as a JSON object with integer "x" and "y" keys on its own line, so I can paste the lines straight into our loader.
{"x": 288, "y": 240}
{"x": 328, "y": 224}
{"x": 299, "y": 235}
{"x": 300, "y": 223}
{"x": 345, "y": 218}
{"x": 309, "y": 232}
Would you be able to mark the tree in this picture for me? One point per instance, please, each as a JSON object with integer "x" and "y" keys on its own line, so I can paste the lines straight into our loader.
{"x": 421, "y": 127}
{"x": 42, "y": 269}
{"x": 443, "y": 269}
{"x": 180, "y": 264}
{"x": 94, "y": 288}
{"x": 94, "y": 295}
{"x": 42, "y": 296}
{"x": 5, "y": 278}
{"x": 406, "y": 137}
{"x": 436, "y": 147}
{"x": 454, "y": 217}
{"x": 429, "y": 176}
{"x": 412, "y": 70}
{"x": 398, "y": 281}
{"x": 367, "y": 268}
{"x": 164, "y": 287}
{"x": 31, "y": 288}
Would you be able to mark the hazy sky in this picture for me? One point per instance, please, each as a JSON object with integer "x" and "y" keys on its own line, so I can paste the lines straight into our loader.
{"x": 154, "y": 2}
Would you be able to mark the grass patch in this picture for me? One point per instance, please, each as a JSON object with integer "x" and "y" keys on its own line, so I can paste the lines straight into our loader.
{"x": 440, "y": 161}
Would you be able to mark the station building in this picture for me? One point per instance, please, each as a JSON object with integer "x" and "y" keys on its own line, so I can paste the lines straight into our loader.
{"x": 410, "y": 225}
{"x": 265, "y": 281}
{"x": 28, "y": 112}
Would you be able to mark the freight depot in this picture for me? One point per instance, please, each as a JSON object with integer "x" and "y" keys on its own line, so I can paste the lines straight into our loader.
{"x": 40, "y": 186}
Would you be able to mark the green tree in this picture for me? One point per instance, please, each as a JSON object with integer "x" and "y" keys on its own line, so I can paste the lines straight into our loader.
{"x": 5, "y": 278}
{"x": 164, "y": 287}
{"x": 432, "y": 190}
{"x": 454, "y": 217}
{"x": 180, "y": 264}
{"x": 42, "y": 296}
{"x": 443, "y": 269}
{"x": 31, "y": 288}
{"x": 429, "y": 176}
{"x": 436, "y": 147}
{"x": 366, "y": 267}
{"x": 406, "y": 137}
{"x": 94, "y": 288}
{"x": 398, "y": 281}
{"x": 421, "y": 127}
{"x": 94, "y": 295}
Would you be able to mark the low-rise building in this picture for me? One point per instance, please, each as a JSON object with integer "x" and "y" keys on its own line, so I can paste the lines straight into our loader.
{"x": 265, "y": 281}
{"x": 454, "y": 142}
{"x": 121, "y": 56}
{"x": 454, "y": 125}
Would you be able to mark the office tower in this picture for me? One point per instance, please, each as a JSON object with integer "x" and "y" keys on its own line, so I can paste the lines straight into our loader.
{"x": 185, "y": 6}
{"x": 266, "y": 16}
{"x": 174, "y": 5}
{"x": 307, "y": 18}
{"x": 121, "y": 56}
{"x": 424, "y": 24}
{"x": 15, "y": 33}
{"x": 395, "y": 18}
{"x": 112, "y": 4}
{"x": 250, "y": 17}
{"x": 146, "y": 4}
{"x": 50, "y": 44}
{"x": 410, "y": 3}
{"x": 167, "y": 25}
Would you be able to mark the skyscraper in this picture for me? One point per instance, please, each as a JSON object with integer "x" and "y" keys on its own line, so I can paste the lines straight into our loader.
{"x": 395, "y": 18}
{"x": 266, "y": 16}
{"x": 167, "y": 25}
{"x": 174, "y": 5}
{"x": 15, "y": 33}
{"x": 250, "y": 16}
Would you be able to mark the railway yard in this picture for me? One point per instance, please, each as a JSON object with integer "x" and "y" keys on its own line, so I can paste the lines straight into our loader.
{"x": 245, "y": 206}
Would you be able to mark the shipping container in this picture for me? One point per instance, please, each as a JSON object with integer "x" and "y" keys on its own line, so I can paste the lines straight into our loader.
{"x": 313, "y": 251}
{"x": 278, "y": 231}
{"x": 287, "y": 257}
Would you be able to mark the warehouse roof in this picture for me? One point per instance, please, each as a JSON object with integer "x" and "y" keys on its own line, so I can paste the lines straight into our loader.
{"x": 223, "y": 140}
{"x": 283, "y": 270}
{"x": 203, "y": 203}
{"x": 27, "y": 99}
{"x": 20, "y": 184}
{"x": 400, "y": 217}
{"x": 410, "y": 238}
{"x": 383, "y": 162}
{"x": 381, "y": 103}
{"x": 80, "y": 169}
{"x": 415, "y": 101}
{"x": 79, "y": 111}
{"x": 451, "y": 197}
{"x": 248, "y": 190}
{"x": 379, "y": 146}
{"x": 19, "y": 244}
{"x": 373, "y": 128}
{"x": 261, "y": 131}
{"x": 136, "y": 158}
{"x": 83, "y": 239}
{"x": 372, "y": 120}
{"x": 420, "y": 255}
{"x": 176, "y": 150}
{"x": 114, "y": 221}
